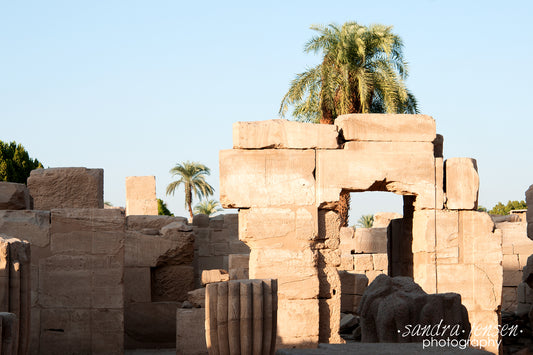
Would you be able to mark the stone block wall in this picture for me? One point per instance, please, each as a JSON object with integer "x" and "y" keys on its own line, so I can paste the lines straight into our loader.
{"x": 215, "y": 239}
{"x": 76, "y": 278}
{"x": 516, "y": 248}
{"x": 66, "y": 188}
{"x": 287, "y": 190}
{"x": 364, "y": 251}
{"x": 158, "y": 273}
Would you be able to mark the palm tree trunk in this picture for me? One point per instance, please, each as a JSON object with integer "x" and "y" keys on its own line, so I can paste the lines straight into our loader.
{"x": 190, "y": 210}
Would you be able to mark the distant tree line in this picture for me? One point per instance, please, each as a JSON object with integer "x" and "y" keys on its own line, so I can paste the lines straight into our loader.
{"x": 15, "y": 163}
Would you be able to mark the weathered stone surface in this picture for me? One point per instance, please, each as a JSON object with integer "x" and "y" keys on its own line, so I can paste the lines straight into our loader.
{"x": 462, "y": 183}
{"x": 378, "y": 166}
{"x": 301, "y": 283}
{"x": 239, "y": 266}
{"x": 161, "y": 316}
{"x": 298, "y": 323}
{"x": 190, "y": 331}
{"x": 363, "y": 262}
{"x": 389, "y": 305}
{"x": 14, "y": 196}
{"x": 270, "y": 226}
{"x": 138, "y": 223}
{"x": 387, "y": 127}
{"x": 266, "y": 178}
{"x": 200, "y": 220}
{"x": 382, "y": 219}
{"x": 284, "y": 134}
{"x": 212, "y": 276}
{"x": 67, "y": 188}
{"x": 137, "y": 284}
{"x": 481, "y": 243}
{"x": 479, "y": 285}
{"x": 197, "y": 297}
{"x": 140, "y": 195}
{"x": 82, "y": 231}
{"x": 437, "y": 231}
{"x": 370, "y": 240}
{"x": 172, "y": 282}
{"x": 33, "y": 226}
{"x": 80, "y": 281}
{"x": 148, "y": 250}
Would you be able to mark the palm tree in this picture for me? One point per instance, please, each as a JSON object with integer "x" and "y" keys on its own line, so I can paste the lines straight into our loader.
{"x": 365, "y": 221}
{"x": 208, "y": 207}
{"x": 192, "y": 176}
{"x": 362, "y": 71}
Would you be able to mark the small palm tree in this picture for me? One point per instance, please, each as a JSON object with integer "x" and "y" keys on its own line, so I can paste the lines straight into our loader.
{"x": 208, "y": 207}
{"x": 192, "y": 176}
{"x": 366, "y": 221}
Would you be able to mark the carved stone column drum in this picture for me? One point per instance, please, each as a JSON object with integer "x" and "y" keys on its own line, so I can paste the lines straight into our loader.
{"x": 241, "y": 317}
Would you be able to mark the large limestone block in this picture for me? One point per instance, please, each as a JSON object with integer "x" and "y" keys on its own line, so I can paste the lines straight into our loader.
{"x": 529, "y": 214}
{"x": 270, "y": 177}
{"x": 302, "y": 282}
{"x": 14, "y": 196}
{"x": 87, "y": 231}
{"x": 480, "y": 242}
{"x": 190, "y": 331}
{"x": 278, "y": 226}
{"x": 436, "y": 230}
{"x": 298, "y": 323}
{"x": 370, "y": 240}
{"x": 33, "y": 226}
{"x": 479, "y": 285}
{"x": 462, "y": 183}
{"x": 283, "y": 134}
{"x": 387, "y": 127}
{"x": 67, "y": 188}
{"x": 405, "y": 168}
{"x": 140, "y": 195}
{"x": 173, "y": 247}
{"x": 81, "y": 281}
{"x": 145, "y": 223}
{"x": 382, "y": 219}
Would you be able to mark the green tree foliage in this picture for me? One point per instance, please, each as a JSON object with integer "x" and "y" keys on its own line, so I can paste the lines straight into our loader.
{"x": 362, "y": 71}
{"x": 502, "y": 209}
{"x": 162, "y": 208}
{"x": 15, "y": 163}
{"x": 208, "y": 207}
{"x": 365, "y": 221}
{"x": 481, "y": 209}
{"x": 192, "y": 176}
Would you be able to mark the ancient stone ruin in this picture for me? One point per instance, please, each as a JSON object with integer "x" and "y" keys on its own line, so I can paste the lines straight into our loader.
{"x": 286, "y": 178}
{"x": 100, "y": 280}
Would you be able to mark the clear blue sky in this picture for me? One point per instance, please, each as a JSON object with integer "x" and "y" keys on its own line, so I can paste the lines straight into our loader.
{"x": 136, "y": 86}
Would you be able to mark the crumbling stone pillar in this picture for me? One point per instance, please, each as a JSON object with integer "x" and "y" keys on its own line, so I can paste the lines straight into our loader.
{"x": 241, "y": 317}
{"x": 15, "y": 293}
